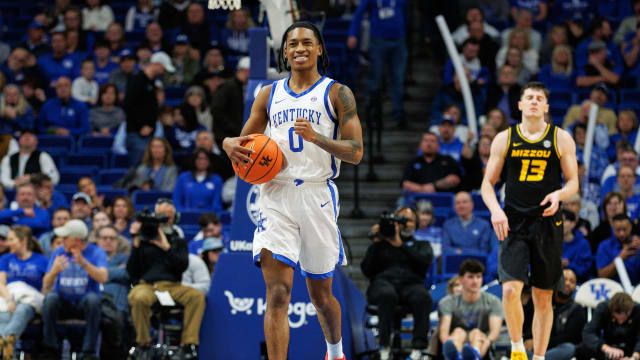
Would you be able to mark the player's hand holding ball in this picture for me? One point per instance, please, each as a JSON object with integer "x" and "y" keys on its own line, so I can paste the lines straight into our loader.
{"x": 303, "y": 128}
{"x": 256, "y": 158}
{"x": 238, "y": 154}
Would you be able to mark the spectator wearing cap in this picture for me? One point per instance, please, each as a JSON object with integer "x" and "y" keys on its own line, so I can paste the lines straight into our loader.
{"x": 96, "y": 16}
{"x": 140, "y": 16}
{"x": 601, "y": 35}
{"x": 622, "y": 244}
{"x": 46, "y": 196}
{"x": 210, "y": 227}
{"x": 81, "y": 208}
{"x": 201, "y": 33}
{"x": 17, "y": 168}
{"x": 227, "y": 105}
{"x": 63, "y": 115}
{"x": 426, "y": 229}
{"x": 141, "y": 105}
{"x": 106, "y": 117}
{"x": 599, "y": 95}
{"x": 74, "y": 276}
{"x": 4, "y": 245}
{"x": 449, "y": 144}
{"x": 211, "y": 249}
{"x": 59, "y": 217}
{"x": 576, "y": 251}
{"x": 199, "y": 188}
{"x": 598, "y": 68}
{"x": 186, "y": 65}
{"x": 197, "y": 274}
{"x": 120, "y": 76}
{"x": 58, "y": 62}
{"x": 104, "y": 65}
{"x": 430, "y": 172}
{"x": 25, "y": 263}
{"x": 36, "y": 41}
{"x": 27, "y": 213}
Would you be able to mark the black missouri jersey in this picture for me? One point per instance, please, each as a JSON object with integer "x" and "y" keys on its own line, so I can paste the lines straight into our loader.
{"x": 532, "y": 170}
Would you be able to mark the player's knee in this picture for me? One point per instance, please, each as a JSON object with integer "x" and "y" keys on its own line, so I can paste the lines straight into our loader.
{"x": 278, "y": 295}
{"x": 510, "y": 291}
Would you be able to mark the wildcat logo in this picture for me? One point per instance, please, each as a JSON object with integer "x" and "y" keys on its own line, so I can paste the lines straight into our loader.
{"x": 298, "y": 311}
{"x": 266, "y": 160}
{"x": 238, "y": 304}
{"x": 602, "y": 293}
{"x": 253, "y": 210}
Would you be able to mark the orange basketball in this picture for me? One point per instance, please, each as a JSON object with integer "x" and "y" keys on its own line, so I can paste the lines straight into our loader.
{"x": 267, "y": 160}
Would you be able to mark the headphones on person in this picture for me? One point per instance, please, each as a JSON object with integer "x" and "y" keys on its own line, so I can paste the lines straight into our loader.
{"x": 176, "y": 216}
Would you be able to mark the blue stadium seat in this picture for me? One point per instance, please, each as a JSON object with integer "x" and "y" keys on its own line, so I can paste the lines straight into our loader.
{"x": 479, "y": 207}
{"x": 57, "y": 154}
{"x": 119, "y": 161}
{"x": 10, "y": 195}
{"x": 86, "y": 159}
{"x": 109, "y": 176}
{"x": 55, "y": 141}
{"x": 175, "y": 92}
{"x": 71, "y": 174}
{"x": 335, "y": 36}
{"x": 225, "y": 217}
{"x": 337, "y": 24}
{"x": 190, "y": 217}
{"x": 95, "y": 143}
{"x": 149, "y": 198}
{"x": 629, "y": 98}
{"x": 560, "y": 98}
{"x": 451, "y": 263}
{"x": 111, "y": 193}
{"x": 442, "y": 202}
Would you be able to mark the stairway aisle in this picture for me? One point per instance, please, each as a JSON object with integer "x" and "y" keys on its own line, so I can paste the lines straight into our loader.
{"x": 398, "y": 146}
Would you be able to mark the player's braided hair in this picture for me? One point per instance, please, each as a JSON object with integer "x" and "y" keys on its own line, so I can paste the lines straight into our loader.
{"x": 283, "y": 64}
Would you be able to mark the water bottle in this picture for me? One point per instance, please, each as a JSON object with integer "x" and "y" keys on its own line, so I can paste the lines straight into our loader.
{"x": 66, "y": 350}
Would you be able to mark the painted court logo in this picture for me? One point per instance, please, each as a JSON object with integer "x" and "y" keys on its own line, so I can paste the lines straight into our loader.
{"x": 298, "y": 311}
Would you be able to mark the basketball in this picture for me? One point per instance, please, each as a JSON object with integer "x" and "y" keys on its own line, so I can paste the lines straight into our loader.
{"x": 267, "y": 160}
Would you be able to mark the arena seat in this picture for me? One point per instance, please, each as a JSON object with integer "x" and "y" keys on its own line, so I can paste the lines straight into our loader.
{"x": 111, "y": 193}
{"x": 86, "y": 159}
{"x": 442, "y": 202}
{"x": 55, "y": 141}
{"x": 95, "y": 143}
{"x": 142, "y": 198}
{"x": 71, "y": 174}
{"x": 190, "y": 216}
{"x": 451, "y": 263}
{"x": 110, "y": 176}
{"x": 594, "y": 291}
{"x": 119, "y": 161}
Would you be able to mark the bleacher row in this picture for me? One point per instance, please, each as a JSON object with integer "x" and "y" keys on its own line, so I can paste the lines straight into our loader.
{"x": 443, "y": 205}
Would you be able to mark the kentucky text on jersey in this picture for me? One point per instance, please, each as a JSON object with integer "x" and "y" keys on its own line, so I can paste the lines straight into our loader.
{"x": 530, "y": 153}
{"x": 287, "y": 115}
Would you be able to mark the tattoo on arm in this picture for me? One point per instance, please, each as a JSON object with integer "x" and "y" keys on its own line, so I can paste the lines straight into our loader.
{"x": 349, "y": 150}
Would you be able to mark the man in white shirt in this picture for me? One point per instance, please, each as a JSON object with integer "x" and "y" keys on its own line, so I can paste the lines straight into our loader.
{"x": 15, "y": 169}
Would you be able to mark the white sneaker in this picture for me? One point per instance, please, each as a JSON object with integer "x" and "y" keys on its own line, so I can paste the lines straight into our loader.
{"x": 385, "y": 353}
{"x": 415, "y": 354}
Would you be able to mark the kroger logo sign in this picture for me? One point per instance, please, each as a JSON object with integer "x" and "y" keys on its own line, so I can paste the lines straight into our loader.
{"x": 298, "y": 311}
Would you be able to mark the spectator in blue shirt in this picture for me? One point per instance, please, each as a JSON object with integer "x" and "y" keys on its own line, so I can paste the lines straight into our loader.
{"x": 478, "y": 74}
{"x": 25, "y": 263}
{"x": 598, "y": 68}
{"x": 449, "y": 144}
{"x": 560, "y": 74}
{"x": 15, "y": 112}
{"x": 46, "y": 196}
{"x": 600, "y": 32}
{"x": 387, "y": 47}
{"x": 74, "y": 275}
{"x": 58, "y": 63}
{"x": 538, "y": 8}
{"x": 427, "y": 230}
{"x": 182, "y": 133}
{"x": 574, "y": 10}
{"x": 235, "y": 35}
{"x": 103, "y": 63}
{"x": 627, "y": 126}
{"x": 140, "y": 16}
{"x": 623, "y": 245}
{"x": 451, "y": 94}
{"x": 599, "y": 158}
{"x": 210, "y": 228}
{"x": 58, "y": 218}
{"x": 198, "y": 189}
{"x": 627, "y": 184}
{"x": 27, "y": 212}
{"x": 465, "y": 232}
{"x": 63, "y": 115}
{"x": 576, "y": 253}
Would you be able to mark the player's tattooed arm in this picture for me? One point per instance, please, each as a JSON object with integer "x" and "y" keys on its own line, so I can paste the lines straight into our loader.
{"x": 349, "y": 148}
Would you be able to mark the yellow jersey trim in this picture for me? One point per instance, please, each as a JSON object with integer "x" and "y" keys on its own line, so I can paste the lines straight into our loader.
{"x": 536, "y": 140}
{"x": 508, "y": 143}
{"x": 555, "y": 141}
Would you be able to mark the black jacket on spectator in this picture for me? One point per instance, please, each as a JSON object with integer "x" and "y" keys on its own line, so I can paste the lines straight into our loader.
{"x": 487, "y": 53}
{"x": 172, "y": 17}
{"x": 228, "y": 109}
{"x": 568, "y": 321}
{"x": 421, "y": 172}
{"x": 496, "y": 93}
{"x": 31, "y": 167}
{"x": 602, "y": 330}
{"x": 150, "y": 263}
{"x": 406, "y": 264}
{"x": 140, "y": 102}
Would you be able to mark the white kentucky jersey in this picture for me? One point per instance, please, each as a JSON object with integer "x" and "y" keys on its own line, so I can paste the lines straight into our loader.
{"x": 306, "y": 161}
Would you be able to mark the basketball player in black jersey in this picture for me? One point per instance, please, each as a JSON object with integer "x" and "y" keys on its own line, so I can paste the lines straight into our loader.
{"x": 535, "y": 156}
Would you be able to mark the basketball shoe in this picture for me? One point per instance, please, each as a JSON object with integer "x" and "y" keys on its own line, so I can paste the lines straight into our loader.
{"x": 518, "y": 355}
{"x": 344, "y": 357}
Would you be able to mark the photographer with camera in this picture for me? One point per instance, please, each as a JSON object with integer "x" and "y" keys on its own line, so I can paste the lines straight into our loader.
{"x": 158, "y": 258}
{"x": 397, "y": 265}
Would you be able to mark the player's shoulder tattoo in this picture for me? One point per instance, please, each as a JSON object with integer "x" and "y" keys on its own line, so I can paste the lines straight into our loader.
{"x": 348, "y": 101}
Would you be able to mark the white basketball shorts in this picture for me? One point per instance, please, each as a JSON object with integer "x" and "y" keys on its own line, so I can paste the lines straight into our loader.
{"x": 298, "y": 224}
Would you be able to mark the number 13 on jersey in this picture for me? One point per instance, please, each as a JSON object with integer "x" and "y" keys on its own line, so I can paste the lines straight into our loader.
{"x": 532, "y": 170}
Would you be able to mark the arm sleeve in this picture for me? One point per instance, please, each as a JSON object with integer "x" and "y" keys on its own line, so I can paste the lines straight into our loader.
{"x": 118, "y": 274}
{"x": 575, "y": 323}
{"x": 7, "y": 214}
{"x": 368, "y": 264}
{"x": 447, "y": 239}
{"x": 354, "y": 28}
{"x": 48, "y": 167}
{"x": 169, "y": 180}
{"x": 76, "y": 90}
{"x": 178, "y": 192}
{"x": 82, "y": 120}
{"x": 135, "y": 263}
{"x": 177, "y": 257}
{"x": 421, "y": 255}
{"x": 201, "y": 278}
{"x": 5, "y": 173}
{"x": 591, "y": 337}
{"x": 128, "y": 22}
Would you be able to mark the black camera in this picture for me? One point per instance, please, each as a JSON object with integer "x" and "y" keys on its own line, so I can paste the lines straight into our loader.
{"x": 150, "y": 224}
{"x": 387, "y": 223}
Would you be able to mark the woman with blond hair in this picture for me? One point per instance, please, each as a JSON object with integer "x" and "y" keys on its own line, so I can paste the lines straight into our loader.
{"x": 519, "y": 38}
{"x": 157, "y": 167}
{"x": 235, "y": 35}
{"x": 21, "y": 271}
{"x": 560, "y": 74}
{"x": 514, "y": 58}
{"x": 16, "y": 115}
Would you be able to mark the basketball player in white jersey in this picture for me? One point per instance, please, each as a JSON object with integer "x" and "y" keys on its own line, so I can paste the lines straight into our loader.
{"x": 315, "y": 123}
